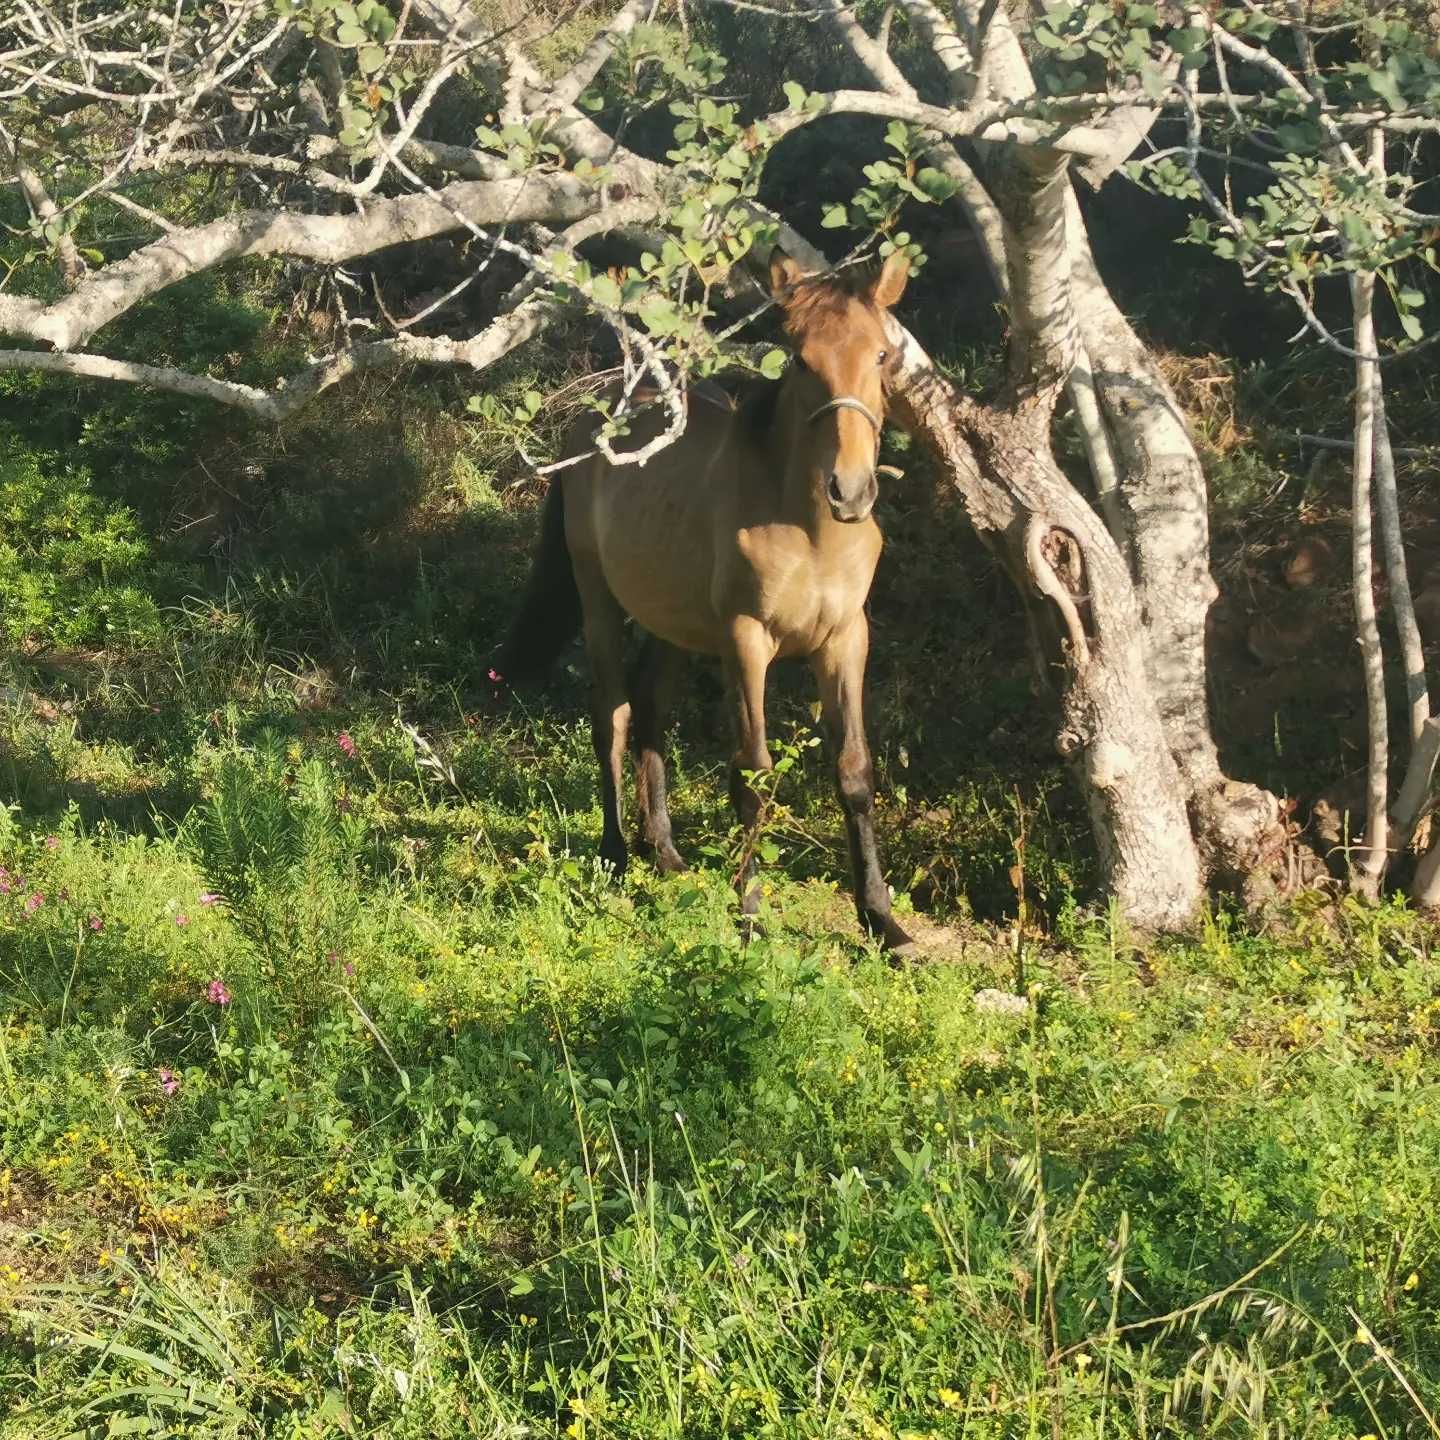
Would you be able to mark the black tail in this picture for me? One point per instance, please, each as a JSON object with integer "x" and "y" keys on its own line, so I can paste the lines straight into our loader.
{"x": 550, "y": 608}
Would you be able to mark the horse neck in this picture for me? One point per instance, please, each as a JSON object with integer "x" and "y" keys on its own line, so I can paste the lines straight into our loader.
{"x": 802, "y": 498}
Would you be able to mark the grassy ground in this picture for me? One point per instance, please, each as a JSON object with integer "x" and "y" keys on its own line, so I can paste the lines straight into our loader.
{"x": 339, "y": 1095}
{"x": 426, "y": 1129}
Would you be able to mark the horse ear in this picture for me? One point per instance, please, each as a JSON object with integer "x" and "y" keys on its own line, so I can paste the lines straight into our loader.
{"x": 889, "y": 284}
{"x": 785, "y": 275}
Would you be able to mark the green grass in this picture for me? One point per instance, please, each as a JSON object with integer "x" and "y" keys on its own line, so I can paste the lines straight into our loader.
{"x": 481, "y": 1143}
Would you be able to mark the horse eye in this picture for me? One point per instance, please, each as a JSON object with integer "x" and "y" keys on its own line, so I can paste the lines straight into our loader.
{"x": 882, "y": 357}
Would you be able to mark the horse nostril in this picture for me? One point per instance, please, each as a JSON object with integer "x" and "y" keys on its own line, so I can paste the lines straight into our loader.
{"x": 833, "y": 490}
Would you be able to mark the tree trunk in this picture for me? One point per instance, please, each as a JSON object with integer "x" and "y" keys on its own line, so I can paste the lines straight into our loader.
{"x": 1082, "y": 612}
{"x": 1163, "y": 506}
{"x": 1072, "y": 575}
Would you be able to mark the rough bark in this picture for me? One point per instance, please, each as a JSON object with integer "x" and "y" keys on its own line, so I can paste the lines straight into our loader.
{"x": 1076, "y": 583}
{"x": 1367, "y": 862}
{"x": 1163, "y": 502}
{"x": 1151, "y": 486}
{"x": 1082, "y": 608}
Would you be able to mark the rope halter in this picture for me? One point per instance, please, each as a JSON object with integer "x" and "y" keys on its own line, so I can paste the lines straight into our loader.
{"x": 849, "y": 402}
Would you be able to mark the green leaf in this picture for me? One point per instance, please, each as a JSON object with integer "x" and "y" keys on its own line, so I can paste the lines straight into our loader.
{"x": 351, "y": 35}
{"x": 605, "y": 291}
{"x": 834, "y": 218}
{"x": 936, "y": 185}
{"x": 1411, "y": 325}
{"x": 522, "y": 1285}
{"x": 1385, "y": 85}
{"x": 772, "y": 364}
{"x": 370, "y": 59}
{"x": 659, "y": 315}
{"x": 795, "y": 94}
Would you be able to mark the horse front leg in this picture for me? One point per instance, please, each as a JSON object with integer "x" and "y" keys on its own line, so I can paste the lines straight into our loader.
{"x": 745, "y": 670}
{"x": 839, "y": 668}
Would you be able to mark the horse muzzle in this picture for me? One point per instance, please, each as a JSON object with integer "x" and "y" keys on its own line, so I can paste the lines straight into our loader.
{"x": 850, "y": 503}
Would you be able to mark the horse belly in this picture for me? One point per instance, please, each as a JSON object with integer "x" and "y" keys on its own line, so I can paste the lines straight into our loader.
{"x": 658, "y": 562}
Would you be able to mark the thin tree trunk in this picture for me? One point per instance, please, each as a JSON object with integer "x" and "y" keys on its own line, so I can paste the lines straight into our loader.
{"x": 1368, "y": 860}
{"x": 1397, "y": 571}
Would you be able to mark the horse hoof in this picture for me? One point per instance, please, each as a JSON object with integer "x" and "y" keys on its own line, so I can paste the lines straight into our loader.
{"x": 894, "y": 940}
{"x": 668, "y": 861}
{"x": 614, "y": 860}
{"x": 665, "y": 857}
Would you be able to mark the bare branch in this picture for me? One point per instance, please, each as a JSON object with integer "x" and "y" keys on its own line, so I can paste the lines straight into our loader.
{"x": 495, "y": 341}
{"x": 568, "y": 88}
{"x": 106, "y": 294}
{"x": 43, "y": 209}
{"x": 979, "y": 208}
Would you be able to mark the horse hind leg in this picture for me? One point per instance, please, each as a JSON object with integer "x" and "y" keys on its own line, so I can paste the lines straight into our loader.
{"x": 652, "y": 691}
{"x": 604, "y": 629}
{"x": 745, "y": 679}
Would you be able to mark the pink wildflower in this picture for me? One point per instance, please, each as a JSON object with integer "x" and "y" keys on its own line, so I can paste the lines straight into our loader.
{"x": 169, "y": 1081}
{"x": 34, "y": 903}
{"x": 182, "y": 919}
{"x": 96, "y": 923}
{"x": 346, "y": 744}
{"x": 209, "y": 897}
{"x": 494, "y": 676}
{"x": 347, "y": 966}
{"x": 52, "y": 842}
{"x": 217, "y": 994}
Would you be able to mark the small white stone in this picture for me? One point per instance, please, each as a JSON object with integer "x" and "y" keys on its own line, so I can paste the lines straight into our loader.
{"x": 1000, "y": 1002}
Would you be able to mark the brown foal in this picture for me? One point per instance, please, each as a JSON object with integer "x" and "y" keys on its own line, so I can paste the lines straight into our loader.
{"x": 751, "y": 537}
